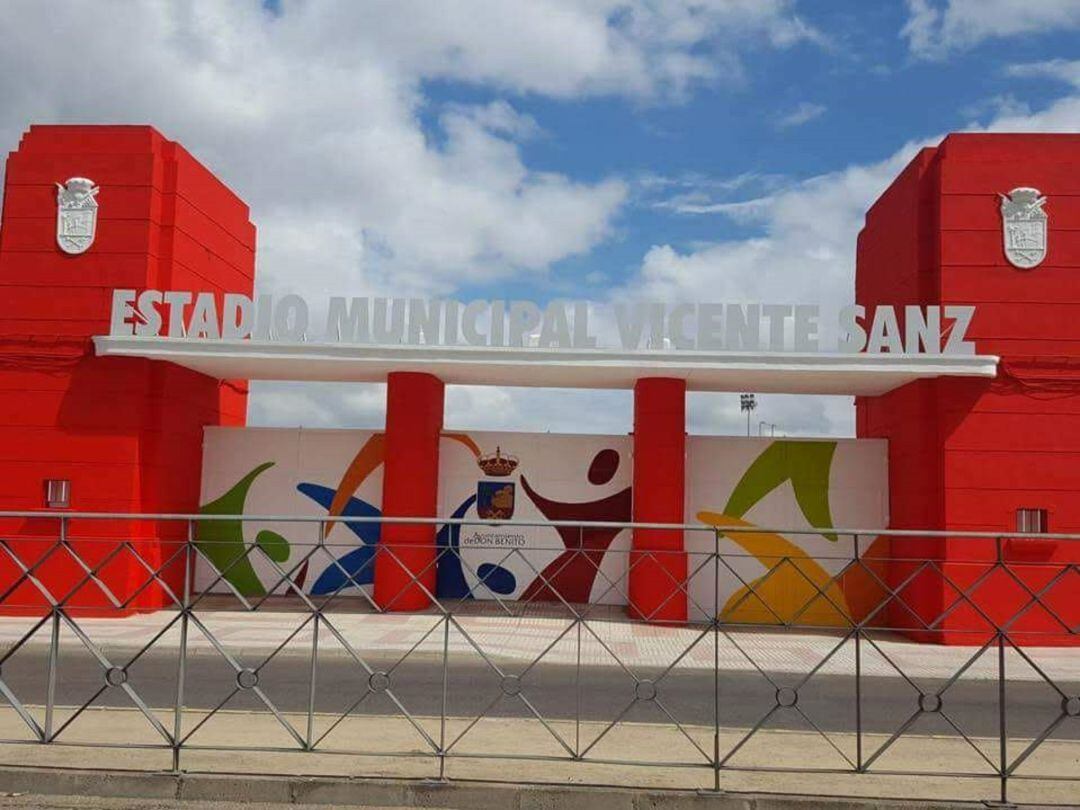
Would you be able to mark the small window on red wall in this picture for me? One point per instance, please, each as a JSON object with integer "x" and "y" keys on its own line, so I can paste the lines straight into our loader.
{"x": 57, "y": 493}
{"x": 1032, "y": 521}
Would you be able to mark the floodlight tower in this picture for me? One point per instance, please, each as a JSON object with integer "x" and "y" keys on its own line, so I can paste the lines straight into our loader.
{"x": 747, "y": 403}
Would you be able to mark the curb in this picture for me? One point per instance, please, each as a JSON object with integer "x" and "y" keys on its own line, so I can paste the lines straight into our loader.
{"x": 456, "y": 795}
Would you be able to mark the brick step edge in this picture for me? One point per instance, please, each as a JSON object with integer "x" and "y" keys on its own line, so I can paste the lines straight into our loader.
{"x": 450, "y": 795}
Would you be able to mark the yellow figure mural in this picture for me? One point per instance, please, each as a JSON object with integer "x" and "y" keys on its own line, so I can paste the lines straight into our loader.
{"x": 795, "y": 588}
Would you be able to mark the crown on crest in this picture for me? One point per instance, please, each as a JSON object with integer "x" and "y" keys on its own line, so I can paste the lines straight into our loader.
{"x": 497, "y": 464}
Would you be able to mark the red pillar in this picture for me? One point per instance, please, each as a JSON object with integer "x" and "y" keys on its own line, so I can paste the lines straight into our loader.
{"x": 657, "y": 579}
{"x": 405, "y": 571}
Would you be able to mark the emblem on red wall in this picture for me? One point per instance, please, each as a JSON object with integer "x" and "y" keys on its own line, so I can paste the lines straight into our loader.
{"x": 1024, "y": 230}
{"x": 76, "y": 215}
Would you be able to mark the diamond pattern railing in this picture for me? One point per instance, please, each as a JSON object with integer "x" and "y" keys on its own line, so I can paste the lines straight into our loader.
{"x": 336, "y": 673}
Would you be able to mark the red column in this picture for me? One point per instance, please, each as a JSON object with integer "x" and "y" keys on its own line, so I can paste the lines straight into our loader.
{"x": 657, "y": 578}
{"x": 405, "y": 570}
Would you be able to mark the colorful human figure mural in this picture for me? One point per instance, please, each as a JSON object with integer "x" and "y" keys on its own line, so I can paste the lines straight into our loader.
{"x": 793, "y": 586}
{"x": 571, "y": 575}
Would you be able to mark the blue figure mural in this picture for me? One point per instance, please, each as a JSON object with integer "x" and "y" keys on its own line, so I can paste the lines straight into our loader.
{"x": 356, "y": 567}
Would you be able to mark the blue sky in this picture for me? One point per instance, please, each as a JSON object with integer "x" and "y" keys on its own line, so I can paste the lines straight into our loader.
{"x": 720, "y": 150}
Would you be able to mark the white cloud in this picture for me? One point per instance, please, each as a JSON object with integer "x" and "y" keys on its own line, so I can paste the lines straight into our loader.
{"x": 317, "y": 405}
{"x": 559, "y": 48}
{"x": 791, "y": 414}
{"x": 803, "y": 113}
{"x": 1060, "y": 69}
{"x": 363, "y": 405}
{"x": 741, "y": 211}
{"x": 693, "y": 193}
{"x": 805, "y": 251}
{"x": 996, "y": 106}
{"x": 937, "y": 27}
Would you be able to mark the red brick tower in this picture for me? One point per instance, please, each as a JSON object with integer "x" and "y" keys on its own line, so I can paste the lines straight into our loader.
{"x": 126, "y": 433}
{"x": 966, "y": 455}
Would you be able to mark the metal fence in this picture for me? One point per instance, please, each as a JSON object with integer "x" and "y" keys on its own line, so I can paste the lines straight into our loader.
{"x": 786, "y": 662}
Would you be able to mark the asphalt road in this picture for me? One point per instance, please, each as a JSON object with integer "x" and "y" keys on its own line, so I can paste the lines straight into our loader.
{"x": 555, "y": 691}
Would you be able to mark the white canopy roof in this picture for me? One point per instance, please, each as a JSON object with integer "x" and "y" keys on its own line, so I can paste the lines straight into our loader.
{"x": 763, "y": 372}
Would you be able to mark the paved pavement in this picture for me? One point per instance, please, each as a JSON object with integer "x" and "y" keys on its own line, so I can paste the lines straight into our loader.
{"x": 391, "y": 750}
{"x": 555, "y": 691}
{"x": 456, "y": 796}
{"x": 29, "y": 801}
{"x": 608, "y": 639}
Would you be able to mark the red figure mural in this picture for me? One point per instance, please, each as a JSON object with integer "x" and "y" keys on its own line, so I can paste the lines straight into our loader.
{"x": 571, "y": 575}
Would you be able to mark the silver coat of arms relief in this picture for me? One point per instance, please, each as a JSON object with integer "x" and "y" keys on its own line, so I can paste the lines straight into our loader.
{"x": 76, "y": 215}
{"x": 1024, "y": 227}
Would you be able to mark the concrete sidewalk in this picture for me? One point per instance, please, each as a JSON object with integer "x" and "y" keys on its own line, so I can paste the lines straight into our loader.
{"x": 327, "y": 795}
{"x": 607, "y": 639}
{"x": 637, "y": 755}
{"x": 38, "y": 801}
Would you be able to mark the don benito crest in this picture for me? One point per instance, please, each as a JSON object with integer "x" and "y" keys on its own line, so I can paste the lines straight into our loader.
{"x": 76, "y": 215}
{"x": 1023, "y": 222}
{"x": 495, "y": 499}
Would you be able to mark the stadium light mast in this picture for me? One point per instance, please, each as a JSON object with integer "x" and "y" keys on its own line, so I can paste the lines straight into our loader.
{"x": 747, "y": 403}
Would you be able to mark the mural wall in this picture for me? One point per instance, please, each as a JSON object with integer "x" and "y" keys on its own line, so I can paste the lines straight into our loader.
{"x": 780, "y": 484}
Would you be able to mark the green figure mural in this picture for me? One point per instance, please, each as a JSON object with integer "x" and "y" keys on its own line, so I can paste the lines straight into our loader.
{"x": 805, "y": 464}
{"x": 222, "y": 541}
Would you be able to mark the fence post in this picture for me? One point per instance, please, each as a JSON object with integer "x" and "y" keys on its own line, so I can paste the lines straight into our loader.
{"x": 442, "y": 706}
{"x": 181, "y": 664}
{"x": 577, "y": 668}
{"x": 314, "y": 662}
{"x": 54, "y": 652}
{"x": 1003, "y": 748}
{"x": 716, "y": 659}
{"x": 858, "y": 673}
